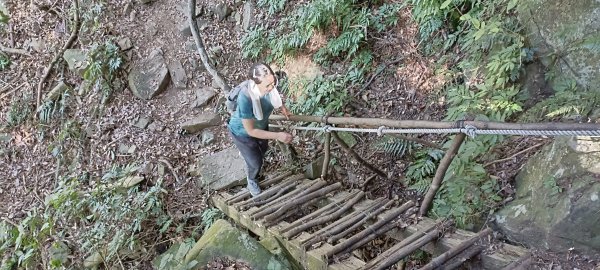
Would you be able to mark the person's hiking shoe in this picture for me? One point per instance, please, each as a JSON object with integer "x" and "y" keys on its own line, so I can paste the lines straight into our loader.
{"x": 253, "y": 188}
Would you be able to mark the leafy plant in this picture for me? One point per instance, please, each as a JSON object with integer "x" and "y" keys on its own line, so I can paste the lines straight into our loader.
{"x": 20, "y": 110}
{"x": 550, "y": 183}
{"x": 4, "y": 61}
{"x": 105, "y": 62}
{"x": 319, "y": 96}
{"x": 254, "y": 42}
{"x": 273, "y": 6}
{"x": 210, "y": 215}
{"x": 395, "y": 146}
{"x": 421, "y": 170}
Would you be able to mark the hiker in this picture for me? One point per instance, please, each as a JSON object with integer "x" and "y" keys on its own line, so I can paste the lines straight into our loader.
{"x": 249, "y": 123}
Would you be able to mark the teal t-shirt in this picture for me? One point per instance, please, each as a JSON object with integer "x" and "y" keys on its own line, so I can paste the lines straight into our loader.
{"x": 244, "y": 111}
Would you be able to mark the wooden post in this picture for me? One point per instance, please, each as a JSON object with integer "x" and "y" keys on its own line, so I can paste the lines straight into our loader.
{"x": 440, "y": 173}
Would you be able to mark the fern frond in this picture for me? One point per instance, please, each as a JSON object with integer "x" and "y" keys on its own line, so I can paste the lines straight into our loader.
{"x": 564, "y": 111}
{"x": 421, "y": 186}
{"x": 394, "y": 146}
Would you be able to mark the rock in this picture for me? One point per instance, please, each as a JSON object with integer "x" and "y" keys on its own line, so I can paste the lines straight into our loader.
{"x": 76, "y": 60}
{"x": 59, "y": 253}
{"x": 222, "y": 170}
{"x": 203, "y": 95}
{"x": 156, "y": 126}
{"x": 237, "y": 18}
{"x": 149, "y": 77}
{"x": 557, "y": 191}
{"x": 220, "y": 240}
{"x": 222, "y": 11}
{"x": 4, "y": 14}
{"x": 186, "y": 30}
{"x": 178, "y": 76}
{"x": 142, "y": 122}
{"x": 125, "y": 44}
{"x": 201, "y": 122}
{"x": 38, "y": 45}
{"x": 93, "y": 260}
{"x": 247, "y": 17}
{"x": 207, "y": 137}
{"x": 123, "y": 148}
{"x": 550, "y": 24}
{"x": 128, "y": 7}
{"x": 348, "y": 138}
{"x": 5, "y": 137}
{"x": 55, "y": 93}
{"x": 313, "y": 170}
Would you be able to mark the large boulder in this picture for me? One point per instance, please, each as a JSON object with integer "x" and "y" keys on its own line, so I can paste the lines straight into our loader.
{"x": 201, "y": 122}
{"x": 149, "y": 77}
{"x": 222, "y": 170}
{"x": 76, "y": 60}
{"x": 566, "y": 33}
{"x": 558, "y": 198}
{"x": 219, "y": 241}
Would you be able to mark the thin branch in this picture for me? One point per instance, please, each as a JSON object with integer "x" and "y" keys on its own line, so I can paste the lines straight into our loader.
{"x": 351, "y": 152}
{"x": 513, "y": 156}
{"x": 202, "y": 50}
{"x": 57, "y": 57}
{"x": 377, "y": 74}
{"x": 14, "y": 51}
{"x": 170, "y": 168}
{"x": 463, "y": 257}
{"x": 440, "y": 173}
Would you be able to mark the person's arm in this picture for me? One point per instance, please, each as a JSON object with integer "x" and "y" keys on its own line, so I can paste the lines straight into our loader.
{"x": 263, "y": 134}
{"x": 285, "y": 111}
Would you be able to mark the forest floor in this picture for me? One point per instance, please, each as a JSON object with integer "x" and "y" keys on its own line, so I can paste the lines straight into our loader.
{"x": 28, "y": 165}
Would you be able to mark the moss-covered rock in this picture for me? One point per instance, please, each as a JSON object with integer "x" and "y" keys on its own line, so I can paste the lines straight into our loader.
{"x": 557, "y": 200}
{"x": 565, "y": 33}
{"x": 221, "y": 240}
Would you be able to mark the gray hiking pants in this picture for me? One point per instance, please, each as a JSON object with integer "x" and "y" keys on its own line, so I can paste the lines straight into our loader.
{"x": 253, "y": 151}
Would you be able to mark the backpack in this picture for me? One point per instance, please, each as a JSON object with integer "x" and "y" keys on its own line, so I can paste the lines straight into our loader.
{"x": 231, "y": 102}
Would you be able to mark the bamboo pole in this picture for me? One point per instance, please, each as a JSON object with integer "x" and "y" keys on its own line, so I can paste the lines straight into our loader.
{"x": 340, "y": 224}
{"x": 463, "y": 257}
{"x": 245, "y": 195}
{"x": 440, "y": 173}
{"x": 295, "y": 231}
{"x": 326, "y": 150}
{"x": 391, "y": 123}
{"x": 345, "y": 232}
{"x": 266, "y": 195}
{"x": 413, "y": 237}
{"x": 410, "y": 248}
{"x": 296, "y": 202}
{"x": 442, "y": 258}
{"x": 284, "y": 200}
{"x": 389, "y": 217}
{"x": 323, "y": 210}
{"x": 279, "y": 192}
{"x": 351, "y": 152}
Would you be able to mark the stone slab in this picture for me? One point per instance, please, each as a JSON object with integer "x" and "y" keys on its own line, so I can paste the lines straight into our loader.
{"x": 222, "y": 170}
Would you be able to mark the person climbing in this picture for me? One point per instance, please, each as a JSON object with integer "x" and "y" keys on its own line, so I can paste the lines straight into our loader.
{"x": 249, "y": 123}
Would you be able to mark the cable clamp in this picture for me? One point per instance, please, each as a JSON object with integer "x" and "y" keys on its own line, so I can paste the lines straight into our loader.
{"x": 327, "y": 128}
{"x": 380, "y": 131}
{"x": 469, "y": 130}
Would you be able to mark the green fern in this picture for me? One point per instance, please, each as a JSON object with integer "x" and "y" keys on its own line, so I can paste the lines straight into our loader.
{"x": 254, "y": 42}
{"x": 421, "y": 170}
{"x": 273, "y": 6}
{"x": 421, "y": 185}
{"x": 395, "y": 146}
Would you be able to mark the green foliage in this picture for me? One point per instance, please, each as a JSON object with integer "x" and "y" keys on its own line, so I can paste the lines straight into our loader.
{"x": 210, "y": 215}
{"x": 421, "y": 170}
{"x": 3, "y": 17}
{"x": 51, "y": 108}
{"x": 4, "y": 61}
{"x": 254, "y": 42}
{"x": 395, "y": 146}
{"x": 319, "y": 96}
{"x": 101, "y": 73}
{"x": 491, "y": 54}
{"x": 98, "y": 219}
{"x": 20, "y": 110}
{"x": 273, "y": 6}
{"x": 550, "y": 183}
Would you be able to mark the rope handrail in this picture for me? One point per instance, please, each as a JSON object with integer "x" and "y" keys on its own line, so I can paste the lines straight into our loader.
{"x": 423, "y": 124}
